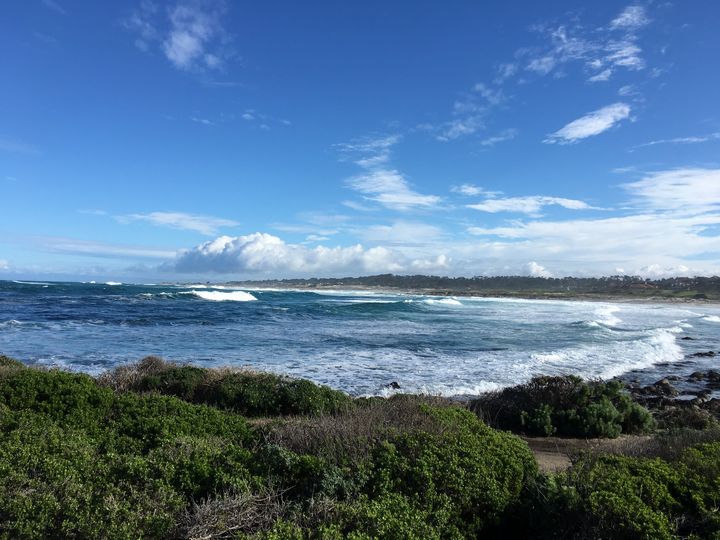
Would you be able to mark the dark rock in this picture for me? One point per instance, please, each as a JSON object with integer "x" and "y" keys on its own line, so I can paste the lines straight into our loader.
{"x": 713, "y": 375}
{"x": 393, "y": 385}
{"x": 687, "y": 338}
{"x": 706, "y": 354}
{"x": 696, "y": 376}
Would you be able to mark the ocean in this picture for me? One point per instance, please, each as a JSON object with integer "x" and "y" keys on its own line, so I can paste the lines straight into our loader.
{"x": 359, "y": 342}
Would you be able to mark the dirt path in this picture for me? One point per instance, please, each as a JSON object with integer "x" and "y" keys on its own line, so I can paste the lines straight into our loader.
{"x": 554, "y": 454}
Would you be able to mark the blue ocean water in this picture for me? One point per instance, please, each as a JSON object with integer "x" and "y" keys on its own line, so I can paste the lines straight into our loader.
{"x": 355, "y": 341}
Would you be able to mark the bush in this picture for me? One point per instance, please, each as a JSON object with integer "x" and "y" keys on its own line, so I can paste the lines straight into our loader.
{"x": 565, "y": 405}
{"x": 7, "y": 362}
{"x": 78, "y": 460}
{"x": 627, "y": 497}
{"x": 245, "y": 392}
{"x": 463, "y": 479}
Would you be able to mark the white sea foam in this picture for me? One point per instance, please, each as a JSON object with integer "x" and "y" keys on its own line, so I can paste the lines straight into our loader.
{"x": 32, "y": 283}
{"x": 612, "y": 359}
{"x": 442, "y": 302}
{"x": 606, "y": 315}
{"x": 711, "y": 318}
{"x": 218, "y": 296}
{"x": 10, "y": 323}
{"x": 113, "y": 283}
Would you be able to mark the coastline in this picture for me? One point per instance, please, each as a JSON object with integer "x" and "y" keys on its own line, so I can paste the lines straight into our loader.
{"x": 487, "y": 295}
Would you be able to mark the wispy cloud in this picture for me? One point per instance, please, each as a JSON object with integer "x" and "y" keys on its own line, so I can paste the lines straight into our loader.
{"x": 379, "y": 182}
{"x": 17, "y": 147}
{"x": 682, "y": 140}
{"x": 54, "y": 6}
{"x": 601, "y": 51}
{"x": 189, "y": 33}
{"x": 390, "y": 188}
{"x": 504, "y": 135}
{"x": 674, "y": 218}
{"x": 206, "y": 225}
{"x": 631, "y": 18}
{"x": 684, "y": 191}
{"x": 590, "y": 125}
{"x": 531, "y": 205}
{"x": 91, "y": 248}
{"x": 471, "y": 190}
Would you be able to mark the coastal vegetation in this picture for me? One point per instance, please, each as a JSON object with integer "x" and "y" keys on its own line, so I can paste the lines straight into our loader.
{"x": 635, "y": 287}
{"x": 162, "y": 450}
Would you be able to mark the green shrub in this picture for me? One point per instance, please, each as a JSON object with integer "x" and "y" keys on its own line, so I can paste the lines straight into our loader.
{"x": 626, "y": 497}
{"x": 565, "y": 405}
{"x": 78, "y": 460}
{"x": 245, "y": 392}
{"x": 7, "y": 362}
{"x": 463, "y": 479}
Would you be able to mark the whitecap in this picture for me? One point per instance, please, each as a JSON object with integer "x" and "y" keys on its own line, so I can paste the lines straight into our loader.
{"x": 711, "y": 318}
{"x": 443, "y": 301}
{"x": 113, "y": 283}
{"x": 218, "y": 296}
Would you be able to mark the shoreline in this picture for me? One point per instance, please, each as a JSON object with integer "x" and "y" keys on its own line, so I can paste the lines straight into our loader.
{"x": 489, "y": 295}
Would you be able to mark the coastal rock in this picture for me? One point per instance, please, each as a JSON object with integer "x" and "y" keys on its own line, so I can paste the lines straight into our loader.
{"x": 696, "y": 376}
{"x": 393, "y": 385}
{"x": 687, "y": 338}
{"x": 703, "y": 354}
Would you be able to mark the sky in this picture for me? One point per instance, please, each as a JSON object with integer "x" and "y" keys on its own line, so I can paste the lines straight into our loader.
{"x": 145, "y": 140}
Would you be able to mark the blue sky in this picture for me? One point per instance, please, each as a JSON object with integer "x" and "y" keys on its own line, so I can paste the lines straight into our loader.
{"x": 144, "y": 140}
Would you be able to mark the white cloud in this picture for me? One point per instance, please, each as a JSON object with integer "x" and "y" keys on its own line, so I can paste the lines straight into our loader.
{"x": 683, "y": 140}
{"x": 602, "y": 51}
{"x": 632, "y": 17}
{"x": 505, "y": 135}
{"x": 685, "y": 191}
{"x": 379, "y": 183}
{"x": 602, "y": 76}
{"x": 264, "y": 253}
{"x": 207, "y": 225}
{"x": 543, "y": 65}
{"x": 674, "y": 230}
{"x": 459, "y": 127}
{"x": 536, "y": 270}
{"x": 390, "y": 188}
{"x": 4, "y": 265}
{"x": 469, "y": 190}
{"x": 591, "y": 124}
{"x": 191, "y": 37}
{"x": 527, "y": 205}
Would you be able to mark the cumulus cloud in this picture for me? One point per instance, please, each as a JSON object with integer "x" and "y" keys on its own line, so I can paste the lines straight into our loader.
{"x": 527, "y": 205}
{"x": 4, "y": 265}
{"x": 590, "y": 125}
{"x": 536, "y": 270}
{"x": 265, "y": 253}
{"x": 206, "y": 225}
